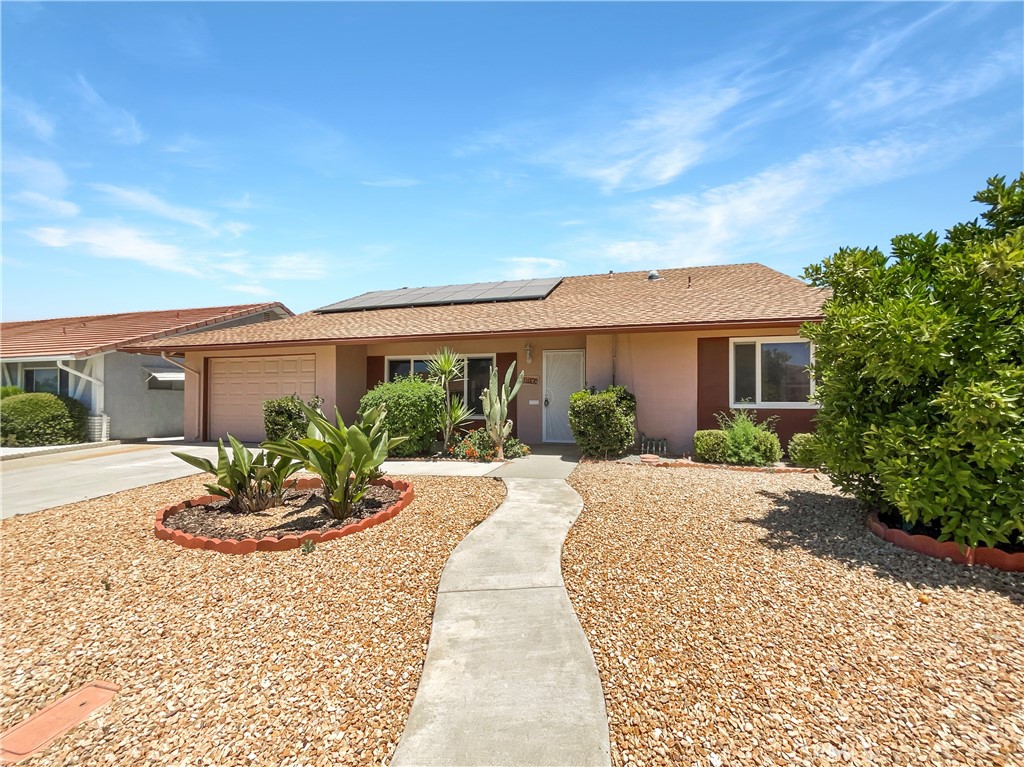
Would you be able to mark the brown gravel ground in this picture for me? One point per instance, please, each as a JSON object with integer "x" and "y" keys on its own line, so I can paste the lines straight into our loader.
{"x": 750, "y": 619}
{"x": 264, "y": 659}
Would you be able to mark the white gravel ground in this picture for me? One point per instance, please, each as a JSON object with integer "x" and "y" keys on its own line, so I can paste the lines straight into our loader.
{"x": 751, "y": 619}
{"x": 263, "y": 659}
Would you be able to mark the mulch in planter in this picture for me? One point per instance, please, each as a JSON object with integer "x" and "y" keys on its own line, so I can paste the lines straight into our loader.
{"x": 893, "y": 520}
{"x": 303, "y": 511}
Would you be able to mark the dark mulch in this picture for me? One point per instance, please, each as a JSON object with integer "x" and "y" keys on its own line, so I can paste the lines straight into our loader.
{"x": 303, "y": 511}
{"x": 934, "y": 530}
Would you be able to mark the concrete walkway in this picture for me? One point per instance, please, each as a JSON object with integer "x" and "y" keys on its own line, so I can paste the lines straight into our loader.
{"x": 509, "y": 677}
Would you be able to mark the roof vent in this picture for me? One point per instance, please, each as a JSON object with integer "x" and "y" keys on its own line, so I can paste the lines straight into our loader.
{"x": 653, "y": 275}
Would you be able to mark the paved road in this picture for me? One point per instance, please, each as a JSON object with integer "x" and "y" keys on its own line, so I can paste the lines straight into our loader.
{"x": 42, "y": 482}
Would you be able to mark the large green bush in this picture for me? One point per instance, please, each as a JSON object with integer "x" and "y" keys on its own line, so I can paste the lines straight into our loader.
{"x": 743, "y": 441}
{"x": 603, "y": 423}
{"x": 413, "y": 406}
{"x": 283, "y": 417}
{"x": 10, "y": 391}
{"x": 42, "y": 419}
{"x": 920, "y": 362}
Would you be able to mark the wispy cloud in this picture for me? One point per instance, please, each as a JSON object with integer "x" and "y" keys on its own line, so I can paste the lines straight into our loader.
{"x": 250, "y": 290}
{"x": 147, "y": 202}
{"x": 295, "y": 266}
{"x": 37, "y": 174}
{"x": 115, "y": 241}
{"x": 526, "y": 268}
{"x": 119, "y": 124}
{"x": 49, "y": 206}
{"x": 30, "y": 115}
{"x": 392, "y": 182}
{"x": 772, "y": 209}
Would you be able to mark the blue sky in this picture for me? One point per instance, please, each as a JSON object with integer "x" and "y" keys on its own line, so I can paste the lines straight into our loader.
{"x": 165, "y": 155}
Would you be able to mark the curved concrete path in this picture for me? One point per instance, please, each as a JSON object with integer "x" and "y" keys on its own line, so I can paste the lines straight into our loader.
{"x": 509, "y": 677}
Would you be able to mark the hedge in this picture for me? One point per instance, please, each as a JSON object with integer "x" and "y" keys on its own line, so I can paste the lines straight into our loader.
{"x": 39, "y": 418}
{"x": 283, "y": 417}
{"x": 10, "y": 391}
{"x": 413, "y": 407}
{"x": 709, "y": 445}
{"x": 603, "y": 423}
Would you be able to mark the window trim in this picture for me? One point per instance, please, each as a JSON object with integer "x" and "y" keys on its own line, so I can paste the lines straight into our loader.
{"x": 758, "y": 403}
{"x": 411, "y": 358}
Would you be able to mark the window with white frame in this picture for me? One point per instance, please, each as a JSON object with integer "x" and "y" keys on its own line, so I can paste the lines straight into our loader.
{"x": 478, "y": 372}
{"x": 771, "y": 372}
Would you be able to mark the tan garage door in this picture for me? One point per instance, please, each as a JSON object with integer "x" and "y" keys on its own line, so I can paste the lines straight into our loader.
{"x": 239, "y": 386}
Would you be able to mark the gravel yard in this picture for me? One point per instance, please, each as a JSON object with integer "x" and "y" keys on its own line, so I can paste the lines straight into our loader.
{"x": 751, "y": 619}
{"x": 263, "y": 659}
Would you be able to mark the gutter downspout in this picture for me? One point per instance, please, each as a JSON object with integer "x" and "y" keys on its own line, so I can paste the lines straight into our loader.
{"x": 199, "y": 391}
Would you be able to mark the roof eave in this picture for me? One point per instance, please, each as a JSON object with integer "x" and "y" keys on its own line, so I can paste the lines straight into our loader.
{"x": 554, "y": 331}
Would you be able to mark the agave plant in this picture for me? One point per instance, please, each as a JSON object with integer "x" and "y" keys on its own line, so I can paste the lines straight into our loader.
{"x": 250, "y": 483}
{"x": 495, "y": 404}
{"x": 345, "y": 458}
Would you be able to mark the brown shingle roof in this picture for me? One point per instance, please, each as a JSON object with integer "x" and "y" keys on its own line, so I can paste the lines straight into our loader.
{"x": 692, "y": 297}
{"x": 84, "y": 336}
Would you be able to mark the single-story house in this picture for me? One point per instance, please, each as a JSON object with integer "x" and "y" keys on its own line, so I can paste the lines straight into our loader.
{"x": 129, "y": 395}
{"x": 689, "y": 343}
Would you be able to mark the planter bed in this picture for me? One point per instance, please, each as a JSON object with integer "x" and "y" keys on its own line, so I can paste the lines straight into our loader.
{"x": 1010, "y": 561}
{"x": 689, "y": 463}
{"x": 203, "y": 523}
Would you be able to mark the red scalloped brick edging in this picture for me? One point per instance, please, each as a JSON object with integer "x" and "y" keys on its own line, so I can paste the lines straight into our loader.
{"x": 925, "y": 544}
{"x": 285, "y": 542}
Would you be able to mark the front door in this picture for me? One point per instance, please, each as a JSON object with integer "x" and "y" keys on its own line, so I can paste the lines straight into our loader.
{"x": 564, "y": 374}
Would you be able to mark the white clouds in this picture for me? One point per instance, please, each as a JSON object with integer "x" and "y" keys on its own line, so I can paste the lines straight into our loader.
{"x": 49, "y": 206}
{"x": 395, "y": 183}
{"x": 250, "y": 290}
{"x": 295, "y": 266}
{"x": 115, "y": 241}
{"x": 30, "y": 115}
{"x": 147, "y": 202}
{"x": 770, "y": 209}
{"x": 119, "y": 124}
{"x": 531, "y": 267}
{"x": 37, "y": 175}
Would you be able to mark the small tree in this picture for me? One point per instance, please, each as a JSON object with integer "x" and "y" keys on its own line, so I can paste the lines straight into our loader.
{"x": 445, "y": 368}
{"x": 495, "y": 405}
{"x": 920, "y": 366}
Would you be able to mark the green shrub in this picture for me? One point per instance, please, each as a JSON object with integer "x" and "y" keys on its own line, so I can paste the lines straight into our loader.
{"x": 747, "y": 442}
{"x": 413, "y": 406}
{"x": 709, "y": 445}
{"x": 283, "y": 418}
{"x": 10, "y": 391}
{"x": 603, "y": 423}
{"x": 803, "y": 450}
{"x": 42, "y": 419}
{"x": 920, "y": 367}
{"x": 477, "y": 445}
{"x": 249, "y": 483}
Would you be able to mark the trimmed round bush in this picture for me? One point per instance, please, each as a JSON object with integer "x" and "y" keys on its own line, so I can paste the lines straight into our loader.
{"x": 10, "y": 391}
{"x": 28, "y": 420}
{"x": 803, "y": 450}
{"x": 601, "y": 425}
{"x": 413, "y": 407}
{"x": 767, "y": 447}
{"x": 283, "y": 417}
{"x": 709, "y": 445}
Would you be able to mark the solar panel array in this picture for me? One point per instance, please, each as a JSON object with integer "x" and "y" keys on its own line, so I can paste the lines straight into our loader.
{"x": 475, "y": 293}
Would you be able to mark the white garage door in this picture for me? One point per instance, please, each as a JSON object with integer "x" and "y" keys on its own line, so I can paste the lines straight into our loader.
{"x": 240, "y": 385}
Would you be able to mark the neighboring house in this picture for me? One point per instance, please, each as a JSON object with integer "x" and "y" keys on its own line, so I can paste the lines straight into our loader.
{"x": 689, "y": 343}
{"x": 129, "y": 396}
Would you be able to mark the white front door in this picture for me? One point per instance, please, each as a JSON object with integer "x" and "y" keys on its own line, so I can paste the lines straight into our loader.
{"x": 564, "y": 373}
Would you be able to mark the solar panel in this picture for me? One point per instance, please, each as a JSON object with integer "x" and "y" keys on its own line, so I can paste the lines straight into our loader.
{"x": 474, "y": 293}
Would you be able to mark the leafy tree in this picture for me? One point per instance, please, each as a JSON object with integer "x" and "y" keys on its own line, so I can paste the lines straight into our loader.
{"x": 920, "y": 363}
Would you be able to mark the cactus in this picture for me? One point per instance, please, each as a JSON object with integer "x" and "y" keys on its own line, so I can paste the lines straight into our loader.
{"x": 495, "y": 405}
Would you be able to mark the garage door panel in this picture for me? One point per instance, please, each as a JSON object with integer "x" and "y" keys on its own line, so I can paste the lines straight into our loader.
{"x": 239, "y": 386}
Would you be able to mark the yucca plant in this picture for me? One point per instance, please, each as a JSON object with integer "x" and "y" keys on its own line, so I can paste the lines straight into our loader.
{"x": 495, "y": 405}
{"x": 444, "y": 368}
{"x": 250, "y": 483}
{"x": 345, "y": 458}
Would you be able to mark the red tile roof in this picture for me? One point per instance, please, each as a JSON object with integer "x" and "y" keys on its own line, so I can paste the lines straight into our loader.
{"x": 710, "y": 296}
{"x": 84, "y": 336}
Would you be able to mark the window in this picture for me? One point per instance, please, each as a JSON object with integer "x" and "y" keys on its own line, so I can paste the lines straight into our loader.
{"x": 156, "y": 384}
{"x": 771, "y": 372}
{"x": 478, "y": 372}
{"x": 50, "y": 380}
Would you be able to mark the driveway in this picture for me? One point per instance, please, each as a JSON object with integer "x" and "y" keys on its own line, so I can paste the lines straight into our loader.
{"x": 35, "y": 483}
